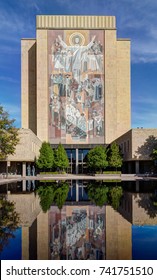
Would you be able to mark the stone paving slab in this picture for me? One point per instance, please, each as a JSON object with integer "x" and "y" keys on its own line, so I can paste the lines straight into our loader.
{"x": 122, "y": 177}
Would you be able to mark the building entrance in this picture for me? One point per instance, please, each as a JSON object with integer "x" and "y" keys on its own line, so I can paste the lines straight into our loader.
{"x": 77, "y": 160}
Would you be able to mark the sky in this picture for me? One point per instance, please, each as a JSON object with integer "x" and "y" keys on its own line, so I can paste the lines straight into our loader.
{"x": 135, "y": 19}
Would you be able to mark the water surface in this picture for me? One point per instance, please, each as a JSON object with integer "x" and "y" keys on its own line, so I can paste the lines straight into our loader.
{"x": 78, "y": 220}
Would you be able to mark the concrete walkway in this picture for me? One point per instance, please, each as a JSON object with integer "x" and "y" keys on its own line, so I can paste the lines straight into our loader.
{"x": 122, "y": 177}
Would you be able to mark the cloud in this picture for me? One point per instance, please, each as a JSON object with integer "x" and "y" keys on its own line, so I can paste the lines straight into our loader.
{"x": 147, "y": 101}
{"x": 135, "y": 19}
{"x": 144, "y": 118}
{"x": 15, "y": 24}
{"x": 144, "y": 113}
{"x": 9, "y": 79}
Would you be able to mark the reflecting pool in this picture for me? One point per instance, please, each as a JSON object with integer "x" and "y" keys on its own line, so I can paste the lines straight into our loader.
{"x": 78, "y": 220}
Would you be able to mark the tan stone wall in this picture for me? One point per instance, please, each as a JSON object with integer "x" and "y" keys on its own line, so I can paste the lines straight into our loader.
{"x": 27, "y": 206}
{"x": 143, "y": 210}
{"x": 116, "y": 82}
{"x": 28, "y": 83}
{"x": 118, "y": 236}
{"x": 123, "y": 87}
{"x": 138, "y": 208}
{"x": 25, "y": 243}
{"x": 125, "y": 142}
{"x": 110, "y": 85}
{"x": 141, "y": 143}
{"x": 117, "y": 86}
{"x": 43, "y": 240}
{"x": 72, "y": 22}
{"x": 27, "y": 148}
{"x": 42, "y": 85}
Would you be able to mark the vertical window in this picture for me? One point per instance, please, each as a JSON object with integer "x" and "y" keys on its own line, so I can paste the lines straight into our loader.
{"x": 124, "y": 147}
{"x": 128, "y": 144}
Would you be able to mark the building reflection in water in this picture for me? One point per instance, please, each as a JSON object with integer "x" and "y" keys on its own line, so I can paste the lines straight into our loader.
{"x": 77, "y": 232}
{"x": 80, "y": 230}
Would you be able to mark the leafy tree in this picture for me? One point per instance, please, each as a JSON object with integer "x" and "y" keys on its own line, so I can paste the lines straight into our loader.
{"x": 97, "y": 158}
{"x": 8, "y": 135}
{"x": 98, "y": 193}
{"x": 114, "y": 156}
{"x": 46, "y": 194}
{"x": 154, "y": 154}
{"x": 61, "y": 194}
{"x": 53, "y": 193}
{"x": 61, "y": 159}
{"x": 115, "y": 195}
{"x": 9, "y": 221}
{"x": 46, "y": 157}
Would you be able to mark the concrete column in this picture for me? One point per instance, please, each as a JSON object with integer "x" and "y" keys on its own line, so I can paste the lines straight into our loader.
{"x": 76, "y": 161}
{"x": 77, "y": 191}
{"x": 43, "y": 250}
{"x": 24, "y": 169}
{"x": 25, "y": 243}
{"x": 137, "y": 169}
{"x": 71, "y": 162}
{"x": 24, "y": 185}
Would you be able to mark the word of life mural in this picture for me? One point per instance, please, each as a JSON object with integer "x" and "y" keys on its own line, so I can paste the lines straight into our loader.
{"x": 76, "y": 90}
{"x": 77, "y": 233}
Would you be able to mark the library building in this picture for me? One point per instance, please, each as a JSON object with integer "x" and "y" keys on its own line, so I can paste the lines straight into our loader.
{"x": 75, "y": 90}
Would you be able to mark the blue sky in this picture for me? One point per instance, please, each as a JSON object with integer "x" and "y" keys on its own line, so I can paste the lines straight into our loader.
{"x": 136, "y": 19}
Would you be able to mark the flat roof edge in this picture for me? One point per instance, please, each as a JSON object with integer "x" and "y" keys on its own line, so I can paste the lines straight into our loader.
{"x": 75, "y": 22}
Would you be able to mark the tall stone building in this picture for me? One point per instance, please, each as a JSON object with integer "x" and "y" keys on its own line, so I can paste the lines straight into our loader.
{"x": 76, "y": 83}
{"x": 75, "y": 90}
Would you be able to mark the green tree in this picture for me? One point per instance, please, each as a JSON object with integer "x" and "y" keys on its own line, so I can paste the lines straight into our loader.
{"x": 98, "y": 193}
{"x": 46, "y": 157}
{"x": 115, "y": 194}
{"x": 154, "y": 154}
{"x": 8, "y": 135}
{"x": 9, "y": 221}
{"x": 61, "y": 159}
{"x": 52, "y": 193}
{"x": 61, "y": 194}
{"x": 114, "y": 156}
{"x": 97, "y": 158}
{"x": 46, "y": 194}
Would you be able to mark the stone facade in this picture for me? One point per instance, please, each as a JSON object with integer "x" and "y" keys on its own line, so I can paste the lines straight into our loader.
{"x": 116, "y": 74}
{"x": 28, "y": 201}
{"x": 28, "y": 147}
{"x": 138, "y": 208}
{"x": 118, "y": 236}
{"x": 138, "y": 144}
{"x": 102, "y": 115}
{"x": 28, "y": 84}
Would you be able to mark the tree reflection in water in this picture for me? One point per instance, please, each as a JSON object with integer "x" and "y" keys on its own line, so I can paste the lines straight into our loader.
{"x": 52, "y": 192}
{"x": 98, "y": 193}
{"x": 101, "y": 194}
{"x": 9, "y": 221}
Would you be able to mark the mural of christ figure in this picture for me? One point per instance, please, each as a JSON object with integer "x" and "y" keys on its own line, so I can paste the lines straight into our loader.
{"x": 76, "y": 54}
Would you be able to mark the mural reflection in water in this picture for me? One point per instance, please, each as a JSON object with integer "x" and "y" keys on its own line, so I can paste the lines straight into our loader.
{"x": 53, "y": 227}
{"x": 77, "y": 232}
